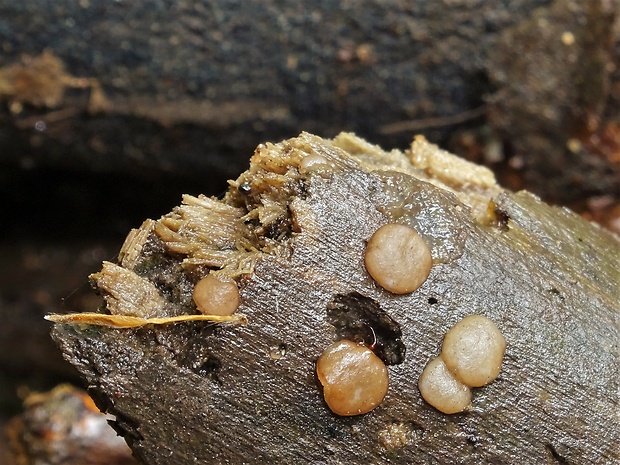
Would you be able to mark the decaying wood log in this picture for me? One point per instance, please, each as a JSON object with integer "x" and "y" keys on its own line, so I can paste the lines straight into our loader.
{"x": 292, "y": 232}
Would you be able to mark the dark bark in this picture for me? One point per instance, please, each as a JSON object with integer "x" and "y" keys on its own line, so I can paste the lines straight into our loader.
{"x": 224, "y": 77}
{"x": 557, "y": 99}
{"x": 248, "y": 393}
{"x": 139, "y": 102}
{"x": 188, "y": 89}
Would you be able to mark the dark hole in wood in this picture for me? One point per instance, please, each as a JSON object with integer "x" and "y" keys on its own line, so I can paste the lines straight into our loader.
{"x": 556, "y": 292}
{"x": 196, "y": 355}
{"x": 210, "y": 367}
{"x": 501, "y": 219}
{"x": 497, "y": 217}
{"x": 360, "y": 319}
{"x": 556, "y": 457}
{"x": 165, "y": 272}
{"x": 280, "y": 229}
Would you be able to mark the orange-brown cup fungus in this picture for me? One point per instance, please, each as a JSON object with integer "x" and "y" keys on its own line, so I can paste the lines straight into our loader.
{"x": 354, "y": 379}
{"x": 440, "y": 388}
{"x": 216, "y": 296}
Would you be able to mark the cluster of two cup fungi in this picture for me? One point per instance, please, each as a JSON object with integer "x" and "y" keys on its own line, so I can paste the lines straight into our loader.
{"x": 354, "y": 379}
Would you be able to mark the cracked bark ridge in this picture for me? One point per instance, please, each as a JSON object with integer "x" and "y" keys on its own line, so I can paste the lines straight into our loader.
{"x": 294, "y": 241}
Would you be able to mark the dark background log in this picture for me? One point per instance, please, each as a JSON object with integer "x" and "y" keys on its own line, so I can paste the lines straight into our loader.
{"x": 190, "y": 89}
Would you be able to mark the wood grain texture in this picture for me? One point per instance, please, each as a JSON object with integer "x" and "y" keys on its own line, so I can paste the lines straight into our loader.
{"x": 217, "y": 394}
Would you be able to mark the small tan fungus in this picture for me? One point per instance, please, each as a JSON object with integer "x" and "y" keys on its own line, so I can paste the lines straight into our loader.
{"x": 473, "y": 350}
{"x": 312, "y": 163}
{"x": 398, "y": 259}
{"x": 354, "y": 379}
{"x": 216, "y": 296}
{"x": 441, "y": 389}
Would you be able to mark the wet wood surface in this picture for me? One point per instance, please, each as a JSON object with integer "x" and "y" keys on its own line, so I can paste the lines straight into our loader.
{"x": 248, "y": 393}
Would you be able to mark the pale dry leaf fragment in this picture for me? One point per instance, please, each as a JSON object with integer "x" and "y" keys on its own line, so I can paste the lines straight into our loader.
{"x": 124, "y": 322}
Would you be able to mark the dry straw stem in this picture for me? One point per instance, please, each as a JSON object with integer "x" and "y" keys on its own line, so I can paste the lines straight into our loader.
{"x": 124, "y": 321}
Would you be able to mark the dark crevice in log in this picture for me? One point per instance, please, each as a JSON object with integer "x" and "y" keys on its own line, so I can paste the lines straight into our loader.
{"x": 361, "y": 319}
{"x": 555, "y": 457}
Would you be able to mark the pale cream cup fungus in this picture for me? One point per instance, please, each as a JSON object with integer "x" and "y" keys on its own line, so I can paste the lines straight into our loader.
{"x": 440, "y": 388}
{"x": 397, "y": 258}
{"x": 473, "y": 350}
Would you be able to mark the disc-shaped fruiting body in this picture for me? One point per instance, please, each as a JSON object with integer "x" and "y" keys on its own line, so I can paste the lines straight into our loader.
{"x": 216, "y": 296}
{"x": 397, "y": 258}
{"x": 473, "y": 350}
{"x": 354, "y": 379}
{"x": 312, "y": 163}
{"x": 440, "y": 388}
